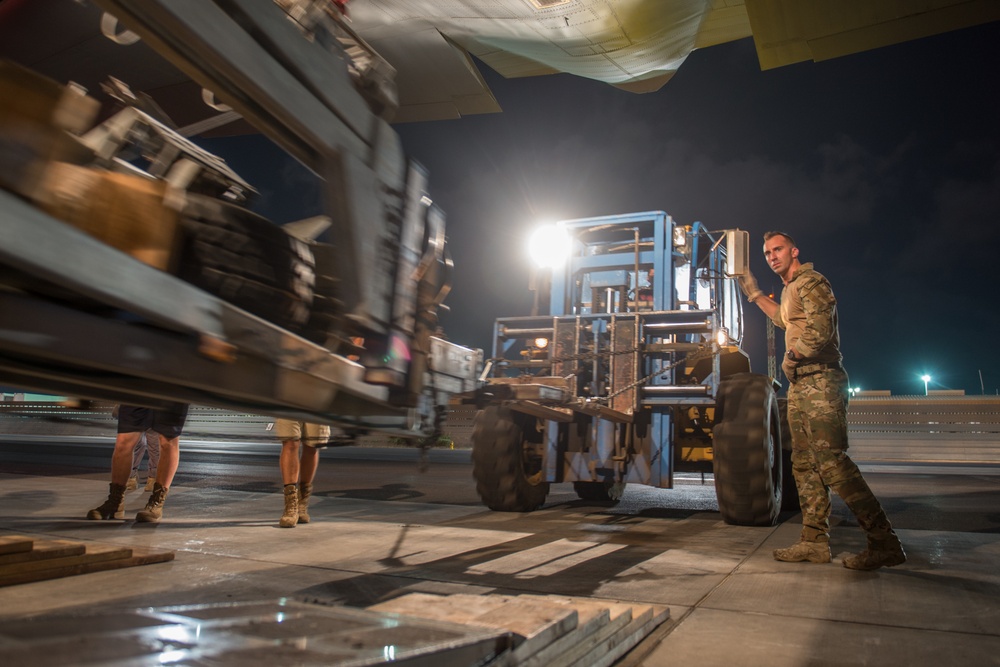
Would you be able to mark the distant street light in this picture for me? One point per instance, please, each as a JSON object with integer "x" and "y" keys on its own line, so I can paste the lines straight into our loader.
{"x": 926, "y": 379}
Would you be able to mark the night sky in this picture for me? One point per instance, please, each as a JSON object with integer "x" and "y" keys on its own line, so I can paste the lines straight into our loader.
{"x": 885, "y": 167}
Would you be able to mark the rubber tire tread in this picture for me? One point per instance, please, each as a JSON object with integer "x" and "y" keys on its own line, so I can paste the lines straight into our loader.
{"x": 498, "y": 438}
{"x": 747, "y": 458}
{"x": 248, "y": 261}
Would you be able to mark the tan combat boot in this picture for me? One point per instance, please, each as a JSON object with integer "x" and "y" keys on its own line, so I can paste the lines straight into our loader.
{"x": 813, "y": 552}
{"x": 154, "y": 506}
{"x": 132, "y": 484}
{"x": 885, "y": 553}
{"x": 291, "y": 515}
{"x": 305, "y": 490}
{"x": 113, "y": 507}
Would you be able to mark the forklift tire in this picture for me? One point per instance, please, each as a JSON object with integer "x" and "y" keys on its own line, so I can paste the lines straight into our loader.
{"x": 601, "y": 492}
{"x": 248, "y": 261}
{"x": 789, "y": 491}
{"x": 506, "y": 465}
{"x": 747, "y": 452}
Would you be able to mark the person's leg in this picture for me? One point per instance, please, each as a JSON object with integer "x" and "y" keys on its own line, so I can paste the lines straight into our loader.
{"x": 290, "y": 468}
{"x": 290, "y": 433}
{"x": 308, "y": 463}
{"x": 814, "y": 496}
{"x": 121, "y": 467}
{"x": 170, "y": 458}
{"x": 841, "y": 474}
{"x": 317, "y": 436}
{"x": 137, "y": 453}
{"x": 168, "y": 423}
{"x": 153, "y": 458}
{"x": 288, "y": 462}
{"x": 165, "y": 470}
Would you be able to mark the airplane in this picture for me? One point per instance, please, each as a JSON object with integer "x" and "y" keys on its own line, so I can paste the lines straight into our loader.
{"x": 434, "y": 45}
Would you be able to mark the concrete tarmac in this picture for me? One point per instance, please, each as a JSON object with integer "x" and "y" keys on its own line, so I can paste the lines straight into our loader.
{"x": 730, "y": 603}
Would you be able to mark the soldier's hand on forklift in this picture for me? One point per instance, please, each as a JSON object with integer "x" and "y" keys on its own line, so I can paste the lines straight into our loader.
{"x": 749, "y": 286}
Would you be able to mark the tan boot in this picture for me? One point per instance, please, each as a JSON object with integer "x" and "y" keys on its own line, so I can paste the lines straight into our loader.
{"x": 813, "y": 552}
{"x": 878, "y": 554}
{"x": 291, "y": 515}
{"x": 113, "y": 507}
{"x": 132, "y": 484}
{"x": 150, "y": 479}
{"x": 153, "y": 511}
{"x": 305, "y": 490}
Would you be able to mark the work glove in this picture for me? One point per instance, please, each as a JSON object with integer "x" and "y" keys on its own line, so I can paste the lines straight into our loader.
{"x": 750, "y": 287}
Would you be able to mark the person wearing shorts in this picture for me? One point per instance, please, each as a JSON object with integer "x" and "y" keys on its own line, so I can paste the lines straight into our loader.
{"x": 147, "y": 447}
{"x": 298, "y": 462}
{"x": 133, "y": 421}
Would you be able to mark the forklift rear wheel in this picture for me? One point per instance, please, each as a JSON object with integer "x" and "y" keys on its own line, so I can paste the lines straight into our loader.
{"x": 747, "y": 452}
{"x": 508, "y": 463}
{"x": 599, "y": 491}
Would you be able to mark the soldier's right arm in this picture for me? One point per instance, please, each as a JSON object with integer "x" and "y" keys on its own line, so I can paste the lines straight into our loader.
{"x": 770, "y": 308}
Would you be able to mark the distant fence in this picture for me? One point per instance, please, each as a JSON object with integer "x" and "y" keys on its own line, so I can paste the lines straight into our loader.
{"x": 951, "y": 429}
{"x": 947, "y": 429}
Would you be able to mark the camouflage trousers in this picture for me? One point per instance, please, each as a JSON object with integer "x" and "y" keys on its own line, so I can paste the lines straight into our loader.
{"x": 817, "y": 416}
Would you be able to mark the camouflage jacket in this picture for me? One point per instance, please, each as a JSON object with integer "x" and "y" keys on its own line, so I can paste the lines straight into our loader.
{"x": 808, "y": 314}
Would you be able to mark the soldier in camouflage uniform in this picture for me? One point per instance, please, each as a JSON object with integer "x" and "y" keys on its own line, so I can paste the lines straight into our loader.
{"x": 817, "y": 412}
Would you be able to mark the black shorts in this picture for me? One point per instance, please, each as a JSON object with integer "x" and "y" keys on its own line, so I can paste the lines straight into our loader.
{"x": 168, "y": 422}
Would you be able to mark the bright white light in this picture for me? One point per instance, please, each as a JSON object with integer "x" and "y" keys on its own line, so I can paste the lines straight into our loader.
{"x": 722, "y": 337}
{"x": 925, "y": 378}
{"x": 550, "y": 246}
{"x": 541, "y": 343}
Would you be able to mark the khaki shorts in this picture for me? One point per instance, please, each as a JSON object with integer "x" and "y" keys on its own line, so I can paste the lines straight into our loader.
{"x": 314, "y": 435}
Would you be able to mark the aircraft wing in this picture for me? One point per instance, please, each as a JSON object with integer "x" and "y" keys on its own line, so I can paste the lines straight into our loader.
{"x": 791, "y": 31}
{"x": 636, "y": 45}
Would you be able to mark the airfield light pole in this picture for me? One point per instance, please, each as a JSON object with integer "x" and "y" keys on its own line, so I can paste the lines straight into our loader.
{"x": 926, "y": 379}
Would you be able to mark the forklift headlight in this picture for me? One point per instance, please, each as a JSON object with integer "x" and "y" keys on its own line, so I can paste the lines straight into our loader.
{"x": 541, "y": 343}
{"x": 550, "y": 246}
{"x": 722, "y": 338}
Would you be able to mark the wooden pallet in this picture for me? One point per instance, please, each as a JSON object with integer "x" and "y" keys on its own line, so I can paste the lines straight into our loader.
{"x": 26, "y": 559}
{"x": 549, "y": 630}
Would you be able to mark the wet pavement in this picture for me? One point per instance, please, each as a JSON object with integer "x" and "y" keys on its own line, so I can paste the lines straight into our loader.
{"x": 730, "y": 602}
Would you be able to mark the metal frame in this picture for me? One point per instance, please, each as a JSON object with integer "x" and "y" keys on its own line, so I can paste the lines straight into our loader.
{"x": 657, "y": 339}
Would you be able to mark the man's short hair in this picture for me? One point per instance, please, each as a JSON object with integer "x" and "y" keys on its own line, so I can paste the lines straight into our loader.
{"x": 770, "y": 235}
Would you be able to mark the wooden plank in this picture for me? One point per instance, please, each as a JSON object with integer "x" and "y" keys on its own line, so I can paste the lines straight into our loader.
{"x": 44, "y": 549}
{"x": 535, "y": 621}
{"x": 633, "y": 633}
{"x": 11, "y": 544}
{"x": 453, "y": 608}
{"x": 593, "y": 618}
{"x": 595, "y": 647}
{"x": 92, "y": 554}
{"x": 138, "y": 557}
{"x": 538, "y": 623}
